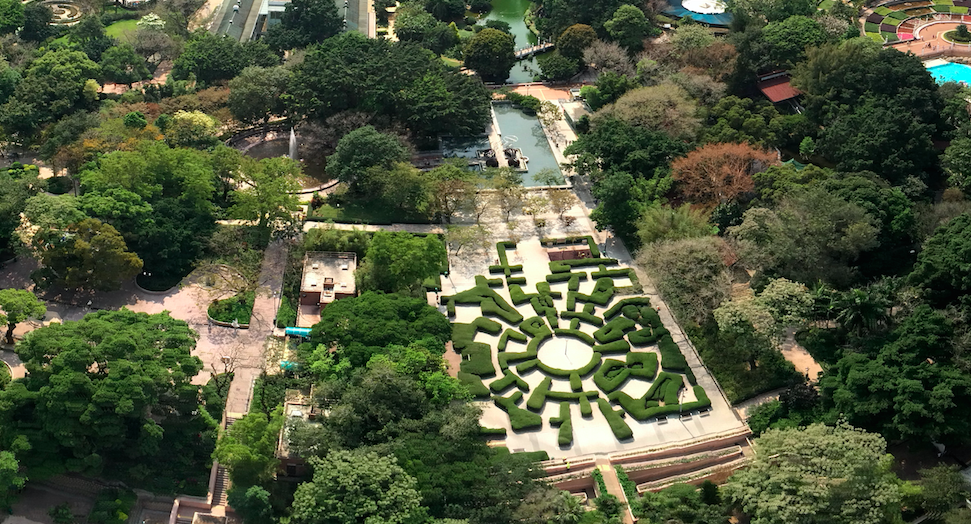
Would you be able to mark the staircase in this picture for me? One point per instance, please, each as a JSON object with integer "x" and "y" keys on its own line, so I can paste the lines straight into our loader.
{"x": 221, "y": 487}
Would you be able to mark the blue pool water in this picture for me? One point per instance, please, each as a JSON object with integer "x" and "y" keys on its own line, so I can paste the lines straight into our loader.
{"x": 951, "y": 73}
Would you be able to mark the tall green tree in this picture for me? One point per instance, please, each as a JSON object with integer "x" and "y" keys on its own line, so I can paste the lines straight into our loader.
{"x": 574, "y": 40}
{"x": 628, "y": 27}
{"x": 818, "y": 474}
{"x": 213, "y": 58}
{"x": 401, "y": 262}
{"x": 11, "y": 16}
{"x": 255, "y": 95}
{"x": 19, "y": 305}
{"x": 268, "y": 192}
{"x": 491, "y": 53}
{"x": 120, "y": 64}
{"x": 37, "y": 22}
{"x": 304, "y": 22}
{"x": 938, "y": 272}
{"x": 355, "y": 486}
{"x": 361, "y": 149}
{"x": 88, "y": 255}
{"x": 248, "y": 449}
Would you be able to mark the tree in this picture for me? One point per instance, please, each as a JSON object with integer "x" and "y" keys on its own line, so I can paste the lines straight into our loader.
{"x": 491, "y": 54}
{"x": 248, "y": 449}
{"x": 268, "y": 192}
{"x": 364, "y": 325}
{"x": 122, "y": 65}
{"x": 446, "y": 10}
{"x": 664, "y": 107}
{"x": 574, "y": 40}
{"x": 663, "y": 223}
{"x": 818, "y": 474}
{"x": 178, "y": 13}
{"x": 608, "y": 56}
{"x": 741, "y": 120}
{"x": 361, "y": 149}
{"x": 11, "y": 16}
{"x": 555, "y": 66}
{"x": 781, "y": 305}
{"x": 957, "y": 163}
{"x": 628, "y": 27}
{"x": 561, "y": 201}
{"x": 691, "y": 37}
{"x": 453, "y": 188}
{"x": 14, "y": 194}
{"x": 89, "y": 36}
{"x": 509, "y": 195}
{"x": 719, "y": 173}
{"x": 788, "y": 40}
{"x": 18, "y": 305}
{"x": 111, "y": 392}
{"x": 690, "y": 274}
{"x": 943, "y": 488}
{"x": 938, "y": 270}
{"x": 252, "y": 504}
{"x": 304, "y": 22}
{"x": 401, "y": 262}
{"x": 213, "y": 58}
{"x": 11, "y": 480}
{"x": 862, "y": 311}
{"x": 153, "y": 44}
{"x": 87, "y": 255}
{"x": 910, "y": 388}
{"x": 476, "y": 238}
{"x": 357, "y": 486}
{"x": 682, "y": 503}
{"x": 37, "y": 22}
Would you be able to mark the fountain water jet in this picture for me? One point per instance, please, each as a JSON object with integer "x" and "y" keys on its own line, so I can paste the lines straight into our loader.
{"x": 293, "y": 145}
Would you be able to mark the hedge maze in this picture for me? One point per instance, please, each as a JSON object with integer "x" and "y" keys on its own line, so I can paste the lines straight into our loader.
{"x": 627, "y": 340}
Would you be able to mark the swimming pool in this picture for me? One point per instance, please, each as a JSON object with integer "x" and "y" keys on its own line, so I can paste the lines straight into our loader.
{"x": 951, "y": 72}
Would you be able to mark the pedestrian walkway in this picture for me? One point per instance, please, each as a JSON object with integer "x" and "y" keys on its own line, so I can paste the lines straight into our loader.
{"x": 614, "y": 487}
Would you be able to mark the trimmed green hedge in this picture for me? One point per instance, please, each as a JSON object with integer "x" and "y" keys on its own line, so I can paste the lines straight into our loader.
{"x": 518, "y": 417}
{"x": 611, "y": 375}
{"x": 534, "y": 327}
{"x": 508, "y": 380}
{"x": 237, "y": 307}
{"x": 586, "y": 410}
{"x": 474, "y": 384}
{"x": 671, "y": 356}
{"x": 463, "y": 334}
{"x": 538, "y": 398}
{"x": 591, "y": 243}
{"x": 518, "y": 296}
{"x": 617, "y": 346}
{"x": 487, "y": 282}
{"x": 603, "y": 291}
{"x": 562, "y": 266}
{"x": 642, "y": 365}
{"x": 585, "y": 317}
{"x": 492, "y": 431}
{"x": 619, "y": 306}
{"x": 603, "y": 272}
{"x": 516, "y": 280}
{"x": 620, "y": 428}
{"x": 565, "y": 423}
{"x": 614, "y": 330}
{"x": 651, "y": 318}
{"x": 575, "y": 333}
{"x": 660, "y": 386}
{"x": 543, "y": 288}
{"x": 527, "y": 366}
{"x": 477, "y": 360}
{"x": 575, "y": 383}
{"x": 898, "y": 15}
{"x": 510, "y": 334}
{"x": 489, "y": 302}
{"x": 507, "y": 356}
{"x": 583, "y": 371}
{"x": 574, "y": 323}
{"x": 642, "y": 337}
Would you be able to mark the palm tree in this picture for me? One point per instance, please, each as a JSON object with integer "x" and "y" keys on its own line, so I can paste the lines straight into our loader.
{"x": 863, "y": 310}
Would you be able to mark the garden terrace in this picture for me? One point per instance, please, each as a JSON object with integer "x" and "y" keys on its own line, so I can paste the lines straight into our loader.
{"x": 569, "y": 357}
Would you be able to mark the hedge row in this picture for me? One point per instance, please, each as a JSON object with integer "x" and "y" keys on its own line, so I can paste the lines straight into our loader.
{"x": 603, "y": 272}
{"x": 543, "y": 306}
{"x": 538, "y": 398}
{"x": 510, "y": 334}
{"x": 527, "y": 366}
{"x": 534, "y": 327}
{"x": 477, "y": 360}
{"x": 463, "y": 334}
{"x": 642, "y": 365}
{"x": 574, "y": 322}
{"x": 562, "y": 266}
{"x": 508, "y": 380}
{"x": 516, "y": 280}
{"x": 565, "y": 423}
{"x": 617, "y": 346}
{"x": 542, "y": 392}
{"x": 611, "y": 375}
{"x": 488, "y": 282}
{"x": 543, "y": 288}
{"x": 586, "y": 410}
{"x": 620, "y": 428}
{"x": 474, "y": 384}
{"x": 603, "y": 291}
{"x": 518, "y": 417}
{"x": 492, "y": 431}
{"x": 589, "y": 318}
{"x": 594, "y": 250}
{"x": 619, "y": 306}
{"x": 575, "y": 333}
{"x": 531, "y": 349}
{"x": 614, "y": 330}
{"x": 489, "y": 302}
{"x": 564, "y": 277}
{"x": 583, "y": 371}
{"x": 671, "y": 356}
{"x": 661, "y": 388}
{"x": 642, "y": 337}
{"x": 575, "y": 383}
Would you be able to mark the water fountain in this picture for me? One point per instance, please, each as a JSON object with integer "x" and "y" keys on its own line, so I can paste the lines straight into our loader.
{"x": 293, "y": 145}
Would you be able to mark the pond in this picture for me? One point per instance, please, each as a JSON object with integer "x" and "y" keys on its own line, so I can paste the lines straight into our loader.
{"x": 525, "y": 132}
{"x": 280, "y": 147}
{"x": 512, "y": 12}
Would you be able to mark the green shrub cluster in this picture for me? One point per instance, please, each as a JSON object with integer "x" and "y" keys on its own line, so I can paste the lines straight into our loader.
{"x": 527, "y": 366}
{"x": 575, "y": 333}
{"x": 508, "y": 380}
{"x": 562, "y": 266}
{"x": 521, "y": 281}
{"x": 286, "y": 316}
{"x": 489, "y": 302}
{"x": 617, "y": 346}
{"x": 665, "y": 388}
{"x": 617, "y": 308}
{"x": 574, "y": 279}
{"x": 586, "y": 410}
{"x": 492, "y": 431}
{"x": 510, "y": 334}
{"x": 589, "y": 318}
{"x": 519, "y": 418}
{"x": 543, "y": 288}
{"x": 591, "y": 243}
{"x": 614, "y": 330}
{"x": 620, "y": 428}
{"x": 237, "y": 307}
{"x": 565, "y": 423}
{"x": 630, "y": 488}
{"x": 477, "y": 360}
{"x": 519, "y": 296}
{"x": 671, "y": 356}
{"x": 503, "y": 266}
{"x": 583, "y": 371}
{"x": 488, "y": 282}
{"x": 603, "y": 272}
{"x": 474, "y": 384}
{"x": 538, "y": 398}
{"x": 642, "y": 337}
{"x": 611, "y": 375}
{"x": 598, "y": 477}
{"x": 642, "y": 365}
{"x": 112, "y": 506}
{"x": 576, "y": 384}
{"x": 603, "y": 291}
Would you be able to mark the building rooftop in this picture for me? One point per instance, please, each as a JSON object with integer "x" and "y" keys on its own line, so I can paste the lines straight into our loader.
{"x": 778, "y": 88}
{"x": 329, "y": 272}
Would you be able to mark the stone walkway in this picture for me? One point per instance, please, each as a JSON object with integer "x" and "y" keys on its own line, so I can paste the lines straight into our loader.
{"x": 615, "y": 488}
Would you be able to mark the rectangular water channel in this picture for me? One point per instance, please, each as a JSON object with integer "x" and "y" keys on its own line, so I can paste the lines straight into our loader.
{"x": 518, "y": 130}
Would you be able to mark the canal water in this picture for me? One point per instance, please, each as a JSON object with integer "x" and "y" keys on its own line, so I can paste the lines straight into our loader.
{"x": 512, "y": 12}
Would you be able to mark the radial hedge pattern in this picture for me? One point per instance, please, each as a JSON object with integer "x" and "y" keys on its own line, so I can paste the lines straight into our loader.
{"x": 588, "y": 348}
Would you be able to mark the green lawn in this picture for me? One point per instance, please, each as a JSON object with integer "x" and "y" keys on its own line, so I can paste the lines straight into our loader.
{"x": 366, "y": 213}
{"x": 117, "y": 30}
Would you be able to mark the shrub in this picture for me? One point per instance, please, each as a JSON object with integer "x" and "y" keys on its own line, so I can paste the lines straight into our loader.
{"x": 586, "y": 369}
{"x": 59, "y": 185}
{"x": 561, "y": 266}
{"x": 238, "y": 307}
{"x": 508, "y": 380}
{"x": 488, "y": 282}
{"x": 585, "y": 317}
{"x": 527, "y": 366}
{"x": 598, "y": 477}
{"x": 492, "y": 431}
{"x": 611, "y": 375}
{"x": 563, "y": 277}
{"x": 671, "y": 356}
{"x": 538, "y": 398}
{"x": 603, "y": 291}
{"x": 643, "y": 365}
{"x": 474, "y": 384}
{"x": 534, "y": 327}
{"x": 650, "y": 317}
{"x": 543, "y": 288}
{"x": 286, "y": 316}
{"x": 642, "y": 337}
{"x": 612, "y": 273}
{"x": 518, "y": 417}
{"x": 619, "y": 306}
{"x": 617, "y": 346}
{"x": 586, "y": 410}
{"x": 518, "y": 296}
{"x": 620, "y": 428}
{"x": 565, "y": 423}
{"x": 510, "y": 334}
{"x": 575, "y": 333}
{"x": 112, "y": 506}
{"x": 516, "y": 280}
{"x": 477, "y": 360}
{"x": 575, "y": 383}
{"x": 489, "y": 302}
{"x": 613, "y": 330}
{"x": 630, "y": 488}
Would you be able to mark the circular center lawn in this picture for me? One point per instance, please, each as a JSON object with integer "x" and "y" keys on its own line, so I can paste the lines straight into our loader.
{"x": 566, "y": 353}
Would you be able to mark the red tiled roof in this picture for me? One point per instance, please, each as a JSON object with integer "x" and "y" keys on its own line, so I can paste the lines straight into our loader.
{"x": 778, "y": 89}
